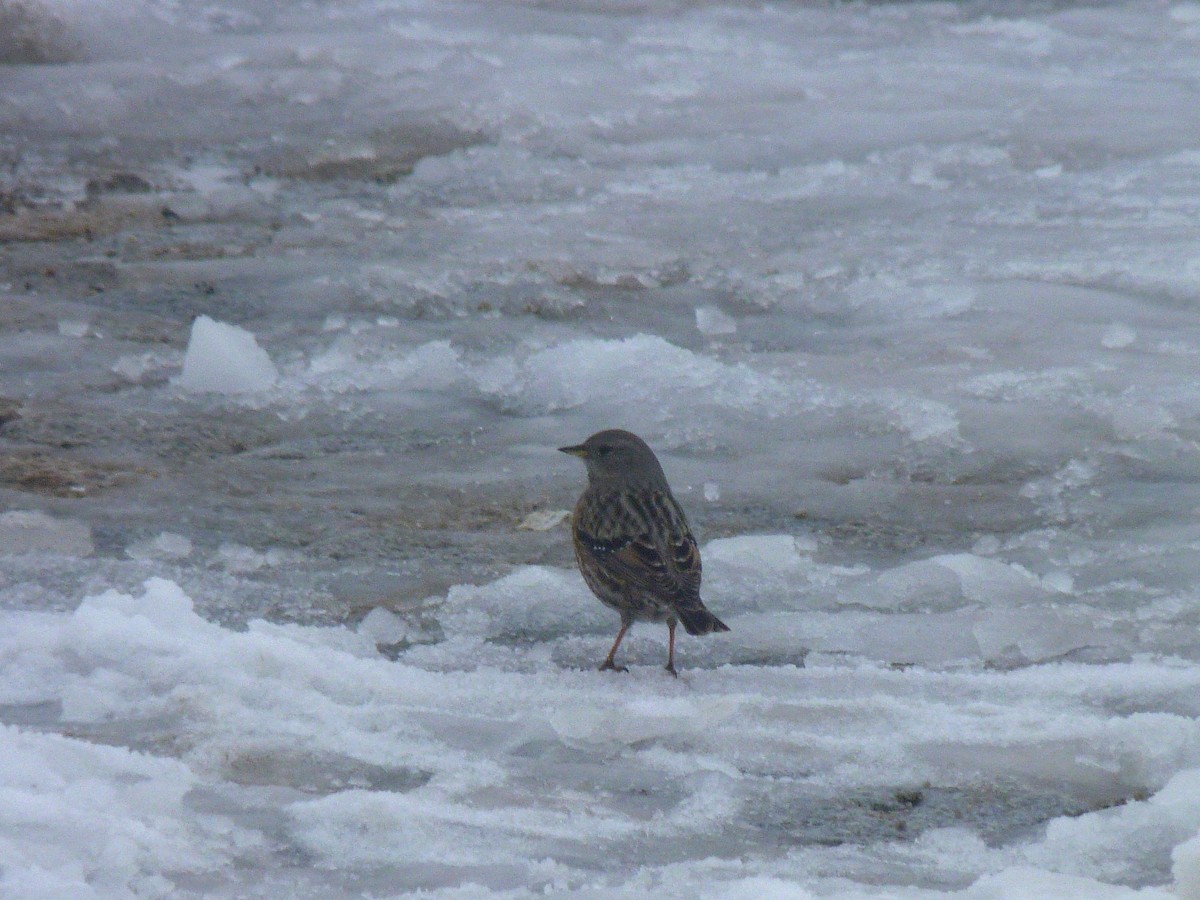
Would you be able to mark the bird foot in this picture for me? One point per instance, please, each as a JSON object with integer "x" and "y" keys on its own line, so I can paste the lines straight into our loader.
{"x": 671, "y": 668}
{"x": 609, "y": 666}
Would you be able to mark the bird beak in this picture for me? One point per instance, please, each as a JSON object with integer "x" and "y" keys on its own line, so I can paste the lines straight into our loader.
{"x": 577, "y": 450}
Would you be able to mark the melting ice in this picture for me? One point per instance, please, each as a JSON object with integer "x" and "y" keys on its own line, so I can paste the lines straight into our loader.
{"x": 296, "y": 302}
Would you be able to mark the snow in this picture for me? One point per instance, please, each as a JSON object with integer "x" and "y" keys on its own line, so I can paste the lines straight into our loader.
{"x": 421, "y": 768}
{"x": 904, "y": 296}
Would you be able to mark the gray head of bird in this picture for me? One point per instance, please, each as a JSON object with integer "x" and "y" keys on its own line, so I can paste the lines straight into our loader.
{"x": 620, "y": 456}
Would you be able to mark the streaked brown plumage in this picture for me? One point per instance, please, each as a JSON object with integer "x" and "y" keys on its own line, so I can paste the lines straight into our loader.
{"x": 632, "y": 540}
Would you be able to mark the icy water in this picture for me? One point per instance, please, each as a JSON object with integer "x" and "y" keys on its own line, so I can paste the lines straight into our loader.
{"x": 906, "y": 297}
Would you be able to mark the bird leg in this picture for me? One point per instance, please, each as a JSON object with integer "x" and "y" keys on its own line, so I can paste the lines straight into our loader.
{"x": 671, "y": 647}
{"x": 608, "y": 661}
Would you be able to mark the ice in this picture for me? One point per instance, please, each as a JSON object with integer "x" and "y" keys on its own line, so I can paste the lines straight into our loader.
{"x": 32, "y": 33}
{"x": 544, "y": 519}
{"x": 712, "y": 322}
{"x": 903, "y": 295}
{"x": 75, "y": 328}
{"x": 1035, "y": 634}
{"x": 1187, "y": 13}
{"x": 504, "y": 789}
{"x": 1111, "y": 844}
{"x": 166, "y": 545}
{"x": 383, "y": 627}
{"x": 240, "y": 558}
{"x": 1118, "y": 337}
{"x": 86, "y": 820}
{"x": 1186, "y": 868}
{"x": 135, "y": 367}
{"x": 571, "y": 374}
{"x": 1028, "y": 882}
{"x": 225, "y": 359}
{"x": 951, "y": 581}
{"x": 30, "y": 531}
{"x": 349, "y": 365}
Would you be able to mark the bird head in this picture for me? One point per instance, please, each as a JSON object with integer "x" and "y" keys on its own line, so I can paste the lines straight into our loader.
{"x": 619, "y": 456}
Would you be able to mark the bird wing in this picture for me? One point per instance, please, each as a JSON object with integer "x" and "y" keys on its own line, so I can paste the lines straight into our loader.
{"x": 644, "y": 539}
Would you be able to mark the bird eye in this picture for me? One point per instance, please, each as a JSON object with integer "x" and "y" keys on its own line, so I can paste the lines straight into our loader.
{"x": 604, "y": 449}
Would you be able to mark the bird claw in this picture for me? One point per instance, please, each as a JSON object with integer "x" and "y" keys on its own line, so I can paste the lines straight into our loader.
{"x": 609, "y": 666}
{"x": 670, "y": 668}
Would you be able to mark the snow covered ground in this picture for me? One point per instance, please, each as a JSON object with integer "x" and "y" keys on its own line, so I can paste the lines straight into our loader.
{"x": 297, "y": 300}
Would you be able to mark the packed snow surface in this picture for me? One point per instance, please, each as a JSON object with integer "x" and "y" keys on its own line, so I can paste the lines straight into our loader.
{"x": 298, "y": 300}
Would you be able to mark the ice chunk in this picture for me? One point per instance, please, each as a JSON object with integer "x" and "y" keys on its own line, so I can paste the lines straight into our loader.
{"x": 23, "y": 531}
{"x": 919, "y": 586}
{"x": 1145, "y": 419}
{"x": 352, "y": 364}
{"x": 383, "y": 626}
{"x": 760, "y": 552}
{"x": 543, "y": 519}
{"x": 1187, "y": 14}
{"x": 1058, "y": 582}
{"x": 948, "y": 582}
{"x": 166, "y": 545}
{"x": 936, "y": 301}
{"x": 639, "y": 719}
{"x": 755, "y": 569}
{"x": 225, "y": 359}
{"x": 989, "y": 581}
{"x": 1118, "y": 337}
{"x": 1026, "y": 881}
{"x": 763, "y": 572}
{"x": 431, "y": 366}
{"x": 711, "y": 321}
{"x": 135, "y": 366}
{"x": 1114, "y": 844}
{"x": 576, "y": 372}
{"x": 529, "y": 600}
{"x": 921, "y": 418}
{"x": 712, "y": 491}
{"x": 924, "y": 639}
{"x": 120, "y": 813}
{"x": 75, "y": 328}
{"x": 987, "y": 545}
{"x": 1186, "y": 868}
{"x": 242, "y": 559}
{"x": 1035, "y": 634}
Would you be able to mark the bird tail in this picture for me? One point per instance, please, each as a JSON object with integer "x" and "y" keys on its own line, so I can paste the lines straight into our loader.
{"x": 698, "y": 620}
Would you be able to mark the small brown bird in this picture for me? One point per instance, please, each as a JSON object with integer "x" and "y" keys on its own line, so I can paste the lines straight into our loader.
{"x": 634, "y": 547}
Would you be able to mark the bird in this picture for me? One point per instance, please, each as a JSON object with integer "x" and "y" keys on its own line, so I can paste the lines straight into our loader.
{"x": 632, "y": 541}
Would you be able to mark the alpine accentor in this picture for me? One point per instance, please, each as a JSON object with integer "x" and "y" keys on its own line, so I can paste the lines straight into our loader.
{"x": 634, "y": 547}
